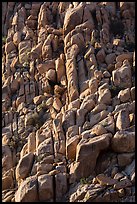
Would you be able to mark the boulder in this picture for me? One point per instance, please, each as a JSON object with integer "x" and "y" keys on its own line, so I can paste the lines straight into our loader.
{"x": 93, "y": 85}
{"x": 72, "y": 18}
{"x": 17, "y": 38}
{"x": 7, "y": 160}
{"x": 60, "y": 67}
{"x": 45, "y": 147}
{"x": 57, "y": 104}
{"x": 101, "y": 56}
{"x": 125, "y": 159}
{"x": 38, "y": 99}
{"x": 9, "y": 47}
{"x": 24, "y": 166}
{"x": 105, "y": 180}
{"x": 124, "y": 56}
{"x": 71, "y": 145}
{"x": 8, "y": 179}
{"x": 104, "y": 96}
{"x": 69, "y": 119}
{"x": 27, "y": 191}
{"x": 80, "y": 116}
{"x": 123, "y": 183}
{"x": 123, "y": 120}
{"x": 32, "y": 142}
{"x": 45, "y": 188}
{"x": 99, "y": 129}
{"x": 61, "y": 185}
{"x": 24, "y": 48}
{"x": 121, "y": 77}
{"x": 110, "y": 58}
{"x": 124, "y": 95}
{"x": 88, "y": 104}
{"x": 88, "y": 149}
{"x": 123, "y": 142}
{"x": 51, "y": 75}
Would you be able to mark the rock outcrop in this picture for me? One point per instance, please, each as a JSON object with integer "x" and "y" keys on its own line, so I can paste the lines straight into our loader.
{"x": 68, "y": 101}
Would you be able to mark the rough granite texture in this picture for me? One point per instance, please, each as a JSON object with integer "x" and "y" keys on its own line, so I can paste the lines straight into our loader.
{"x": 68, "y": 101}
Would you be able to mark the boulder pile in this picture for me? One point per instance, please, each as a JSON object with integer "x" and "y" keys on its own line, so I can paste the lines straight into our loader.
{"x": 68, "y": 101}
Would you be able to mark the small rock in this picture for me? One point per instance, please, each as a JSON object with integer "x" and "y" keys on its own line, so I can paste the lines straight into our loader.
{"x": 104, "y": 180}
{"x": 51, "y": 75}
{"x": 124, "y": 95}
{"x": 123, "y": 183}
{"x": 123, "y": 120}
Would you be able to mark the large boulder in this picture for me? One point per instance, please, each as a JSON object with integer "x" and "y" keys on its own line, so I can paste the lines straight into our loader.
{"x": 72, "y": 18}
{"x": 45, "y": 187}
{"x": 27, "y": 191}
{"x": 24, "y": 166}
{"x": 61, "y": 185}
{"x": 86, "y": 155}
{"x": 123, "y": 141}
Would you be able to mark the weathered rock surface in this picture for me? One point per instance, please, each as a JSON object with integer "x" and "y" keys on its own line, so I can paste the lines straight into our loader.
{"x": 68, "y": 101}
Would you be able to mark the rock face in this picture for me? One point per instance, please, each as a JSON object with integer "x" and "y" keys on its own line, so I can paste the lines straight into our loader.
{"x": 68, "y": 101}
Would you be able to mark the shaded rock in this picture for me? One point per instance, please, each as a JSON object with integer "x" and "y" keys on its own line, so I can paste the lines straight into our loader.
{"x": 45, "y": 187}
{"x": 124, "y": 95}
{"x": 69, "y": 119}
{"x": 27, "y": 191}
{"x": 80, "y": 116}
{"x": 24, "y": 166}
{"x": 123, "y": 141}
{"x": 71, "y": 145}
{"x": 125, "y": 159}
{"x": 61, "y": 185}
{"x": 123, "y": 120}
{"x": 45, "y": 147}
{"x": 122, "y": 76}
{"x": 124, "y": 56}
{"x": 95, "y": 118}
{"x": 57, "y": 104}
{"x": 92, "y": 194}
{"x": 32, "y": 142}
{"x": 51, "y": 75}
{"x": 72, "y": 18}
{"x": 101, "y": 56}
{"x": 88, "y": 149}
{"x": 99, "y": 129}
{"x": 132, "y": 91}
{"x": 9, "y": 47}
{"x": 78, "y": 192}
{"x": 123, "y": 183}
{"x": 110, "y": 58}
{"x": 7, "y": 160}
{"x": 7, "y": 180}
{"x": 130, "y": 171}
{"x": 105, "y": 180}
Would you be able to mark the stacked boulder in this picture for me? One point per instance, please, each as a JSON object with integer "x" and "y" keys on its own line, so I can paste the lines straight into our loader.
{"x": 68, "y": 101}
